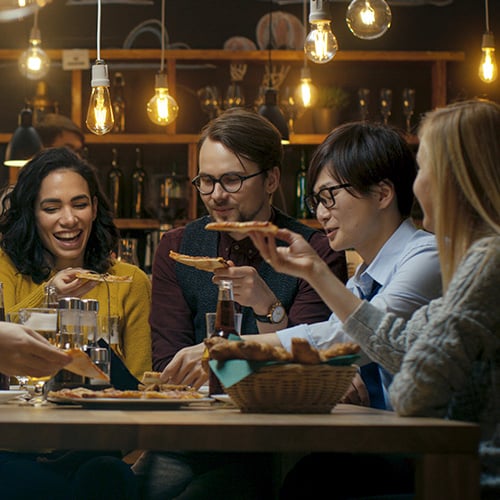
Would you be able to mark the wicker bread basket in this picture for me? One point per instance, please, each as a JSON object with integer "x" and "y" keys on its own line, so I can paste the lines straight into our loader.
{"x": 292, "y": 388}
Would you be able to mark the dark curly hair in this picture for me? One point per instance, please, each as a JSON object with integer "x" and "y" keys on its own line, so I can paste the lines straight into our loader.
{"x": 20, "y": 239}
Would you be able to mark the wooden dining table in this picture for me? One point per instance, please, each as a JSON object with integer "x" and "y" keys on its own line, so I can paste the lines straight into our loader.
{"x": 447, "y": 451}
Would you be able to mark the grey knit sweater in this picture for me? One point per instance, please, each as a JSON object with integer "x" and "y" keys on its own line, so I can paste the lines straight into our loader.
{"x": 447, "y": 356}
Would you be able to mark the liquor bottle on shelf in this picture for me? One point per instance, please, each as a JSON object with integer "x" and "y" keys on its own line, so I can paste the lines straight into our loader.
{"x": 138, "y": 186}
{"x": 118, "y": 103}
{"x": 4, "y": 379}
{"x": 50, "y": 299}
{"x": 301, "y": 210}
{"x": 224, "y": 326}
{"x": 115, "y": 185}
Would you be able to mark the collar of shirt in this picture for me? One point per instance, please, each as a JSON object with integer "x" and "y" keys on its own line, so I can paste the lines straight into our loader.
{"x": 381, "y": 267}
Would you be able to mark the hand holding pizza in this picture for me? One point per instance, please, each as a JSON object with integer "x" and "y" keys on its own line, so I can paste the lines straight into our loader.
{"x": 68, "y": 284}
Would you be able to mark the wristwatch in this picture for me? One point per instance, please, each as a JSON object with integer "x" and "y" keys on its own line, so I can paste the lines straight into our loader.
{"x": 275, "y": 315}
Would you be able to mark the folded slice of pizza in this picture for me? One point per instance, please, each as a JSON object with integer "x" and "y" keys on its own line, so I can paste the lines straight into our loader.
{"x": 109, "y": 278}
{"x": 243, "y": 227}
{"x": 202, "y": 263}
{"x": 81, "y": 364}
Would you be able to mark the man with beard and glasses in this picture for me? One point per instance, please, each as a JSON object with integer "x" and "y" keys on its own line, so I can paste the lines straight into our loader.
{"x": 240, "y": 156}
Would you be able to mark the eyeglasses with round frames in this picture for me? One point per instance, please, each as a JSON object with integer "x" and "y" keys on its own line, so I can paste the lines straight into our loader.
{"x": 231, "y": 183}
{"x": 325, "y": 196}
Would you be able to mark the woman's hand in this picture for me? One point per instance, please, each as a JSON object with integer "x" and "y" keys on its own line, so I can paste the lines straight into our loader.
{"x": 357, "y": 394}
{"x": 186, "y": 367}
{"x": 298, "y": 259}
{"x": 68, "y": 285}
{"x": 23, "y": 351}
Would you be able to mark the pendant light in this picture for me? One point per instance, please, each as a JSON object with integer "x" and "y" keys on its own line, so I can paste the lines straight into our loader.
{"x": 320, "y": 45}
{"x": 24, "y": 143}
{"x": 16, "y": 10}
{"x": 488, "y": 70}
{"x": 368, "y": 19}
{"x": 100, "y": 118}
{"x": 306, "y": 93}
{"x": 34, "y": 63}
{"x": 162, "y": 108}
{"x": 270, "y": 109}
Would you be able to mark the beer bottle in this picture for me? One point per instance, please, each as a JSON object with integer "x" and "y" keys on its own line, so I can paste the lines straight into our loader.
{"x": 224, "y": 326}
{"x": 4, "y": 379}
{"x": 118, "y": 103}
{"x": 301, "y": 211}
{"x": 138, "y": 186}
{"x": 115, "y": 185}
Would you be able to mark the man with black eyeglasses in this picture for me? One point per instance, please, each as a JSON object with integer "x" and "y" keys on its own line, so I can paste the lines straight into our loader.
{"x": 240, "y": 156}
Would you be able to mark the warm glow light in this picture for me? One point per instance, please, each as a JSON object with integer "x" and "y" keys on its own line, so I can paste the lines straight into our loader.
{"x": 100, "y": 119}
{"x": 306, "y": 93}
{"x": 320, "y": 45}
{"x": 488, "y": 70}
{"x": 368, "y": 19}
{"x": 162, "y": 108}
{"x": 34, "y": 63}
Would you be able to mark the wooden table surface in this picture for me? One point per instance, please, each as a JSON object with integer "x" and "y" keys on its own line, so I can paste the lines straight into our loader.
{"x": 448, "y": 449}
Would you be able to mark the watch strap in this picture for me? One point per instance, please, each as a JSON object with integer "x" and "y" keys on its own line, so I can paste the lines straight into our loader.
{"x": 267, "y": 318}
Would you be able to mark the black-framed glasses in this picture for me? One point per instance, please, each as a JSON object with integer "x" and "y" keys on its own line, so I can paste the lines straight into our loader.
{"x": 230, "y": 182}
{"x": 325, "y": 196}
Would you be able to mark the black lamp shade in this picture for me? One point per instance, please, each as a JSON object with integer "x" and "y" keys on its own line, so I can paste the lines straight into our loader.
{"x": 24, "y": 143}
{"x": 272, "y": 112}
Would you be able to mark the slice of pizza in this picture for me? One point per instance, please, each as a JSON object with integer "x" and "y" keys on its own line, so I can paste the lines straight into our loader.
{"x": 243, "y": 227}
{"x": 81, "y": 364}
{"x": 109, "y": 278}
{"x": 202, "y": 263}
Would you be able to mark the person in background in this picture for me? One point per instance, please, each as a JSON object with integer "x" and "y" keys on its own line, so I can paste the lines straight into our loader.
{"x": 240, "y": 156}
{"x": 57, "y": 130}
{"x": 446, "y": 356}
{"x": 57, "y": 222}
{"x": 361, "y": 178}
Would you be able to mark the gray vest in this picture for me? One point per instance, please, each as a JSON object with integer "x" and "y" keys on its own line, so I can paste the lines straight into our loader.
{"x": 197, "y": 287}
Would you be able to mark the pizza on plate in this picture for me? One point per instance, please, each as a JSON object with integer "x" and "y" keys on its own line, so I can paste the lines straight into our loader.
{"x": 109, "y": 278}
{"x": 202, "y": 263}
{"x": 243, "y": 227}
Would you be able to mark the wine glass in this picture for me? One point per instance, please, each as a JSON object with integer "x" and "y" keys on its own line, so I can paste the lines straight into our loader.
{"x": 363, "y": 99}
{"x": 385, "y": 104}
{"x": 210, "y": 100}
{"x": 408, "y": 106}
{"x": 290, "y": 107}
{"x": 234, "y": 96}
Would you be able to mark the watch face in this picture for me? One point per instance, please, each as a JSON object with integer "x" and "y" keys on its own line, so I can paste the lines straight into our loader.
{"x": 278, "y": 314}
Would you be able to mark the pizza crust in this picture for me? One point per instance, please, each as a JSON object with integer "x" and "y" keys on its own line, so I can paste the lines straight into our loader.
{"x": 81, "y": 364}
{"x": 202, "y": 263}
{"x": 105, "y": 277}
{"x": 243, "y": 227}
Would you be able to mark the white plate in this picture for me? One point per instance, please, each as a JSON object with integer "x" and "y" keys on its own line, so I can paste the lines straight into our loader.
{"x": 129, "y": 404}
{"x": 6, "y": 396}
{"x": 223, "y": 398}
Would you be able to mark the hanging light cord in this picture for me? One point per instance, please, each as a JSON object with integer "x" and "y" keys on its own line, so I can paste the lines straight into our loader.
{"x": 162, "y": 36}
{"x": 35, "y": 20}
{"x": 304, "y": 22}
{"x": 487, "y": 16}
{"x": 98, "y": 42}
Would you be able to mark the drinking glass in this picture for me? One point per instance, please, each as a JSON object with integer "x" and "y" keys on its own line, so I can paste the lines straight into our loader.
{"x": 385, "y": 104}
{"x": 363, "y": 100}
{"x": 210, "y": 100}
{"x": 408, "y": 106}
{"x": 290, "y": 107}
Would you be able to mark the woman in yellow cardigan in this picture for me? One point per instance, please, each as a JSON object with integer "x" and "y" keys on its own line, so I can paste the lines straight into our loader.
{"x": 56, "y": 222}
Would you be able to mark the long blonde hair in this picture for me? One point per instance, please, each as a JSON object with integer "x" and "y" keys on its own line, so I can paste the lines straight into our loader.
{"x": 463, "y": 143}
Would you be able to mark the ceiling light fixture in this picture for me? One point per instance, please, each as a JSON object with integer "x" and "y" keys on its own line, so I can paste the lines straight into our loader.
{"x": 488, "y": 70}
{"x": 368, "y": 19}
{"x": 270, "y": 109}
{"x": 162, "y": 108}
{"x": 320, "y": 45}
{"x": 24, "y": 143}
{"x": 34, "y": 63}
{"x": 100, "y": 118}
{"x": 306, "y": 93}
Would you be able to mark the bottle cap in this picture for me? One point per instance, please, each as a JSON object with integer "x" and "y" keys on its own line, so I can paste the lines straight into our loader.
{"x": 71, "y": 303}
{"x": 90, "y": 305}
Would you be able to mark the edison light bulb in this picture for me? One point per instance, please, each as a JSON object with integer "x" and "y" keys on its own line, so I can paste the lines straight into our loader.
{"x": 100, "y": 118}
{"x": 368, "y": 19}
{"x": 320, "y": 45}
{"x": 34, "y": 63}
{"x": 306, "y": 93}
{"x": 162, "y": 107}
{"x": 488, "y": 70}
